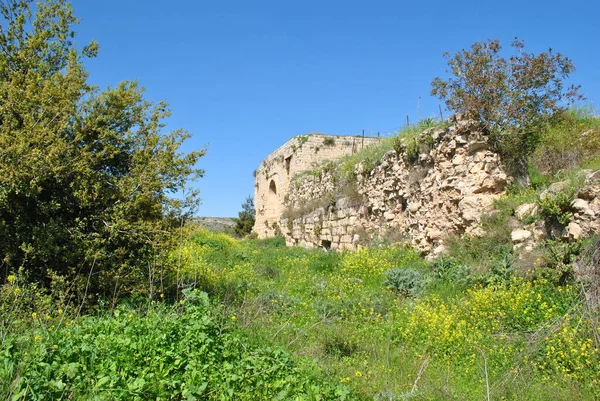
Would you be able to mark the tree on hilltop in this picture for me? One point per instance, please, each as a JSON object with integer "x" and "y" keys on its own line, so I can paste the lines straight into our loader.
{"x": 512, "y": 96}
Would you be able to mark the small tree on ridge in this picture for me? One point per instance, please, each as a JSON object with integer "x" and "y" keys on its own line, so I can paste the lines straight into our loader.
{"x": 245, "y": 221}
{"x": 512, "y": 96}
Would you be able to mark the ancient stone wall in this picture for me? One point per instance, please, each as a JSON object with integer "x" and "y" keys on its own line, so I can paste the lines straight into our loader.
{"x": 443, "y": 193}
{"x": 423, "y": 197}
{"x": 301, "y": 153}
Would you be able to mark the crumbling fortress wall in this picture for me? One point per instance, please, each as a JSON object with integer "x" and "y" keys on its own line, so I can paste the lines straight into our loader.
{"x": 424, "y": 191}
{"x": 301, "y": 153}
{"x": 440, "y": 192}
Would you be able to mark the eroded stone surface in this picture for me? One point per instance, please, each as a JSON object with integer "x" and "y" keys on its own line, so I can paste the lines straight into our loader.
{"x": 519, "y": 236}
{"x": 273, "y": 177}
{"x": 444, "y": 194}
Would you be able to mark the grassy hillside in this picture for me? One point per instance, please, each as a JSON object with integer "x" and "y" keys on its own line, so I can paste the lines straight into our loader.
{"x": 256, "y": 320}
{"x": 219, "y": 224}
{"x": 391, "y": 326}
{"x": 291, "y": 323}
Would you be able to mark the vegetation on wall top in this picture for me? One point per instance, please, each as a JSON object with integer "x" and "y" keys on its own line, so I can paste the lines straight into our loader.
{"x": 513, "y": 97}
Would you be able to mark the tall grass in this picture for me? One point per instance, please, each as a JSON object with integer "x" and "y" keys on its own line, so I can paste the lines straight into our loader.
{"x": 459, "y": 321}
{"x": 569, "y": 141}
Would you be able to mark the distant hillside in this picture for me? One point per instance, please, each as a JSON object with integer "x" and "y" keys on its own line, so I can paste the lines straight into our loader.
{"x": 220, "y": 224}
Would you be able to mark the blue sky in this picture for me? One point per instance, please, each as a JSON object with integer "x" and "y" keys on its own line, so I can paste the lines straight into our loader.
{"x": 244, "y": 76}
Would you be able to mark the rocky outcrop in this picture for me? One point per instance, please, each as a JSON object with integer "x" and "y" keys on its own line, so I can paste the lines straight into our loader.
{"x": 583, "y": 214}
{"x": 451, "y": 183}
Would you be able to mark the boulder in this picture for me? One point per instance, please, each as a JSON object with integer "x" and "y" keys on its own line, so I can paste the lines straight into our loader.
{"x": 554, "y": 188}
{"x": 526, "y": 209}
{"x": 520, "y": 235}
{"x": 582, "y": 206}
{"x": 574, "y": 231}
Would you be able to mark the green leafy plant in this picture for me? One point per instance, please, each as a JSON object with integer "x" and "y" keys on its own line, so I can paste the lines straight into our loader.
{"x": 446, "y": 268}
{"x": 302, "y": 139}
{"x": 559, "y": 257}
{"x": 404, "y": 281}
{"x": 556, "y": 209}
{"x": 411, "y": 155}
{"x": 398, "y": 145}
{"x": 179, "y": 352}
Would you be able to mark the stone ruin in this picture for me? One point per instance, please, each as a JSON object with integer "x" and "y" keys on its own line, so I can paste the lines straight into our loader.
{"x": 443, "y": 193}
{"x": 301, "y": 153}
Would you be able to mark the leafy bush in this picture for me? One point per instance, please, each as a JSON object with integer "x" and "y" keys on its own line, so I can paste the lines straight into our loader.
{"x": 557, "y": 209}
{"x": 449, "y": 269}
{"x": 411, "y": 154}
{"x": 505, "y": 93}
{"x": 558, "y": 259}
{"x": 404, "y": 281}
{"x": 502, "y": 269}
{"x": 165, "y": 353}
{"x": 86, "y": 178}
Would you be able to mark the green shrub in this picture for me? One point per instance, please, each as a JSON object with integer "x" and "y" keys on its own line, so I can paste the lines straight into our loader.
{"x": 426, "y": 143}
{"x": 398, "y": 145}
{"x": 329, "y": 141}
{"x": 448, "y": 269}
{"x": 558, "y": 259}
{"x": 513, "y": 97}
{"x": 556, "y": 209}
{"x": 404, "y": 281}
{"x": 411, "y": 155}
{"x": 502, "y": 269}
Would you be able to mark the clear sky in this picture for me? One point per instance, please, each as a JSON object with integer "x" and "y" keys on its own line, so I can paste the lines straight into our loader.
{"x": 245, "y": 76}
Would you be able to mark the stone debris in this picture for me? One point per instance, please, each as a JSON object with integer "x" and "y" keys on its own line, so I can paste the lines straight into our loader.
{"x": 518, "y": 236}
{"x": 526, "y": 210}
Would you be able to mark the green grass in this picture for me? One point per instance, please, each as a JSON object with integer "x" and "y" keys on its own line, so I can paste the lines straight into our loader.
{"x": 569, "y": 142}
{"x": 309, "y": 325}
{"x": 188, "y": 351}
{"x": 338, "y": 310}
